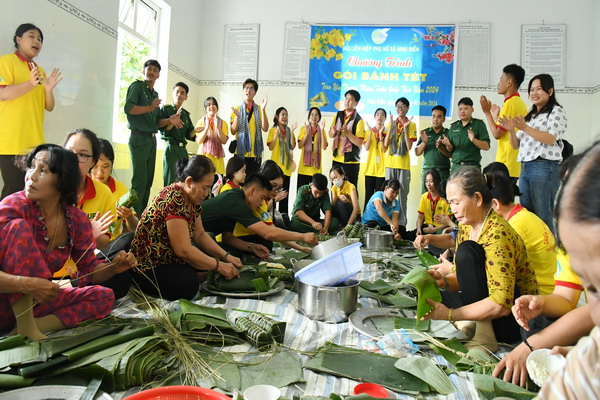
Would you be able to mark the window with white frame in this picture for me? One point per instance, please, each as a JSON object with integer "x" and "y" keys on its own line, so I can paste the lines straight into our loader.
{"x": 142, "y": 35}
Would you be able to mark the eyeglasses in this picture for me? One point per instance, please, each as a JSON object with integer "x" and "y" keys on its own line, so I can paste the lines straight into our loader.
{"x": 82, "y": 157}
{"x": 401, "y": 106}
{"x": 276, "y": 189}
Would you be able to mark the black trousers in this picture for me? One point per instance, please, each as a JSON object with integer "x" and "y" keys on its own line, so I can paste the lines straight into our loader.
{"x": 351, "y": 171}
{"x": 472, "y": 278}
{"x": 372, "y": 185}
{"x": 282, "y": 206}
{"x": 303, "y": 180}
{"x": 12, "y": 176}
{"x": 169, "y": 281}
{"x": 342, "y": 212}
{"x": 252, "y": 165}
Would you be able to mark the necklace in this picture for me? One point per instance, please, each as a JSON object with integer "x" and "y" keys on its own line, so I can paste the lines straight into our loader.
{"x": 489, "y": 211}
{"x": 51, "y": 240}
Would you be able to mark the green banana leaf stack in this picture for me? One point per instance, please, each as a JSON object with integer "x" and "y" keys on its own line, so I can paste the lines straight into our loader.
{"x": 253, "y": 279}
{"x": 260, "y": 330}
{"x": 386, "y": 293}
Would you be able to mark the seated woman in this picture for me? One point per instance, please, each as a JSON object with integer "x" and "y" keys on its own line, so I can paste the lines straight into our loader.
{"x": 40, "y": 228}
{"x": 170, "y": 226}
{"x": 432, "y": 207}
{"x": 344, "y": 197}
{"x": 383, "y": 209}
{"x": 491, "y": 266}
{"x": 538, "y": 239}
{"x": 578, "y": 217}
{"x": 102, "y": 172}
{"x": 235, "y": 173}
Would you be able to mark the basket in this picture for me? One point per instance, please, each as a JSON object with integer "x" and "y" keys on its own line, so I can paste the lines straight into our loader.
{"x": 178, "y": 393}
{"x": 333, "y": 268}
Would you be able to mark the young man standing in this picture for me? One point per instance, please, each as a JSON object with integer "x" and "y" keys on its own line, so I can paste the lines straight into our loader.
{"x": 430, "y": 145}
{"x": 348, "y": 133}
{"x": 141, "y": 108}
{"x": 467, "y": 137}
{"x": 248, "y": 121}
{"x": 175, "y": 127}
{"x": 396, "y": 146}
{"x": 508, "y": 86}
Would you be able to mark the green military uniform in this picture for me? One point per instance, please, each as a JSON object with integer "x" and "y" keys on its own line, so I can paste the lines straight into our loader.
{"x": 432, "y": 157}
{"x": 221, "y": 213}
{"x": 176, "y": 141}
{"x": 312, "y": 206}
{"x": 465, "y": 152}
{"x": 142, "y": 142}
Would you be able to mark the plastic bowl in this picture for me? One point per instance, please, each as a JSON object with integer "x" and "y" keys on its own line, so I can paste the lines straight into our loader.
{"x": 178, "y": 392}
{"x": 372, "y": 389}
{"x": 262, "y": 392}
{"x": 541, "y": 364}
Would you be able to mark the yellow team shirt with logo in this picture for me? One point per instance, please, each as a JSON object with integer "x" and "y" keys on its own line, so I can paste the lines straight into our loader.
{"x": 276, "y": 152}
{"x": 261, "y": 212}
{"x": 375, "y": 165}
{"x": 360, "y": 133}
{"x": 426, "y": 205}
{"x": 22, "y": 126}
{"x": 219, "y": 163}
{"x": 512, "y": 107}
{"x": 251, "y": 129}
{"x": 400, "y": 162}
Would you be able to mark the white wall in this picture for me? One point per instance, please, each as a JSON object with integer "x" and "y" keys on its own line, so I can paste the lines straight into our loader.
{"x": 87, "y": 55}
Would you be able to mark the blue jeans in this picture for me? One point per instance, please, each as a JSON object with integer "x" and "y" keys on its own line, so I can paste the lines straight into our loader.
{"x": 538, "y": 184}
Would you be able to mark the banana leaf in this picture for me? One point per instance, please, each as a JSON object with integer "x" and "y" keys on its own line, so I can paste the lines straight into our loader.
{"x": 452, "y": 357}
{"x": 365, "y": 366}
{"x": 59, "y": 345}
{"x": 11, "y": 341}
{"x": 490, "y": 387}
{"x": 108, "y": 341}
{"x": 128, "y": 199}
{"x": 243, "y": 284}
{"x": 214, "y": 312}
{"x": 281, "y": 369}
{"x": 427, "y": 259}
{"x": 20, "y": 355}
{"x": 380, "y": 286}
{"x": 14, "y": 381}
{"x": 91, "y": 389}
{"x": 424, "y": 369}
{"x": 426, "y": 289}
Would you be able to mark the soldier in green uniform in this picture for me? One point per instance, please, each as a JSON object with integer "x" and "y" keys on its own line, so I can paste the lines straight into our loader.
{"x": 467, "y": 137}
{"x": 430, "y": 145}
{"x": 141, "y": 108}
{"x": 175, "y": 128}
{"x": 310, "y": 201}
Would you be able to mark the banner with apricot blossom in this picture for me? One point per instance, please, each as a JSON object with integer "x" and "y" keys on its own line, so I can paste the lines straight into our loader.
{"x": 383, "y": 64}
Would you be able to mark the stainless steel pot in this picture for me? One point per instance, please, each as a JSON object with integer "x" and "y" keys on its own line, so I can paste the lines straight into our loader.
{"x": 379, "y": 240}
{"x": 329, "y": 246}
{"x": 297, "y": 265}
{"x": 328, "y": 303}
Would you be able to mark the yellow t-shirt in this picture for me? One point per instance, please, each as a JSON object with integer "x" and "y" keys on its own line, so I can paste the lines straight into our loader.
{"x": 565, "y": 276}
{"x": 261, "y": 212}
{"x": 429, "y": 207}
{"x": 22, "y": 126}
{"x": 346, "y": 189}
{"x": 219, "y": 163}
{"x": 507, "y": 262}
{"x": 375, "y": 165}
{"x": 96, "y": 198}
{"x": 309, "y": 169}
{"x": 360, "y": 133}
{"x": 276, "y": 152}
{"x": 400, "y": 162}
{"x": 252, "y": 129}
{"x": 540, "y": 245}
{"x": 118, "y": 190}
{"x": 513, "y": 106}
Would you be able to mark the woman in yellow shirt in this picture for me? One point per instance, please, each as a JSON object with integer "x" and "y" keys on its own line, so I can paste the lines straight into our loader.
{"x": 281, "y": 142}
{"x": 102, "y": 172}
{"x": 344, "y": 197}
{"x": 212, "y": 134}
{"x": 312, "y": 140}
{"x": 431, "y": 205}
{"x": 375, "y": 166}
{"x": 235, "y": 174}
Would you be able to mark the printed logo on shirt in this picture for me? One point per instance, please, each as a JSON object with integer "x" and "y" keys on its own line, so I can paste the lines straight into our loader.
{"x": 265, "y": 216}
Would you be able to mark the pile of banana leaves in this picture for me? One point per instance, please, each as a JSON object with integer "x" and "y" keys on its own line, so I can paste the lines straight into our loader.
{"x": 387, "y": 293}
{"x": 253, "y": 279}
{"x": 117, "y": 356}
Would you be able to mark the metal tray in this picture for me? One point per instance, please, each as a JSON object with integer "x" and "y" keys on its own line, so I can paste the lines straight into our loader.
{"x": 54, "y": 392}
{"x": 361, "y": 322}
{"x": 279, "y": 286}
